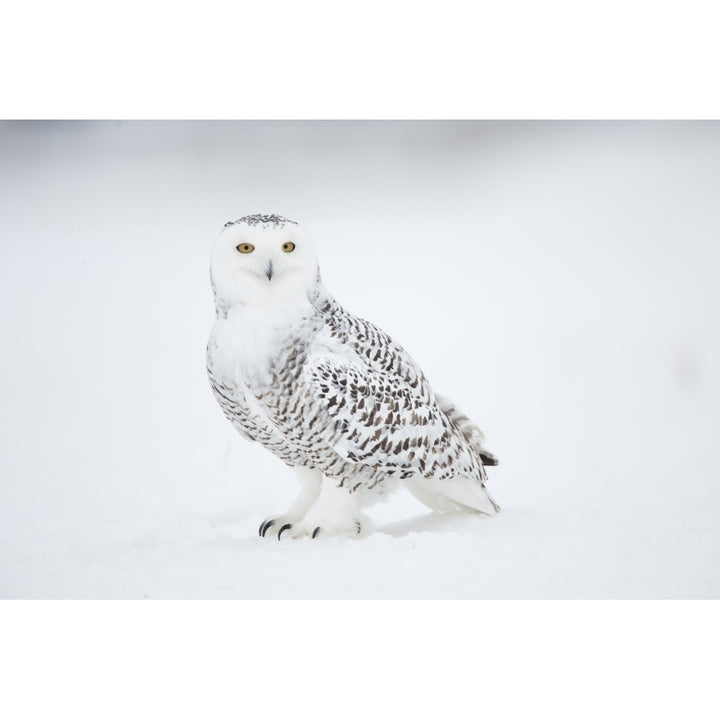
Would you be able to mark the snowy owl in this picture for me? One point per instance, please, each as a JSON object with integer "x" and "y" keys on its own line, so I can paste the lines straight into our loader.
{"x": 330, "y": 394}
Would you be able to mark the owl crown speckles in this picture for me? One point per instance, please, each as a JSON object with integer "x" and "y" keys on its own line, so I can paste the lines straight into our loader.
{"x": 259, "y": 219}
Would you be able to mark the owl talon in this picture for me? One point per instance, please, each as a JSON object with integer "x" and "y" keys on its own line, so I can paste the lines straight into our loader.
{"x": 285, "y": 527}
{"x": 265, "y": 526}
{"x": 315, "y": 532}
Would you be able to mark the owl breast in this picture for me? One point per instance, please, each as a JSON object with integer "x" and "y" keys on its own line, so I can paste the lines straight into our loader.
{"x": 254, "y": 363}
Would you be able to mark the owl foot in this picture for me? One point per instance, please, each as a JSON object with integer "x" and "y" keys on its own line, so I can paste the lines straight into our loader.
{"x": 280, "y": 528}
{"x": 319, "y": 511}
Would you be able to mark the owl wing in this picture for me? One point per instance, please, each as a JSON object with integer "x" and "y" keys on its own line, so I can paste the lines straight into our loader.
{"x": 379, "y": 417}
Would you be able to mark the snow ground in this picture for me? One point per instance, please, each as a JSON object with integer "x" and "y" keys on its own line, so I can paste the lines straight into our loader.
{"x": 558, "y": 280}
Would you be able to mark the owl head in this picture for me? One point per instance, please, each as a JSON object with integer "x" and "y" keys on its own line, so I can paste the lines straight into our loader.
{"x": 262, "y": 258}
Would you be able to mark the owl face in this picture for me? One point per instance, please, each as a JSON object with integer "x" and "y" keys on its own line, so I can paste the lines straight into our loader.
{"x": 261, "y": 261}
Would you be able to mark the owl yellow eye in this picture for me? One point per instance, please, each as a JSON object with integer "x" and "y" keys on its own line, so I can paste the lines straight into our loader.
{"x": 288, "y": 246}
{"x": 245, "y": 248}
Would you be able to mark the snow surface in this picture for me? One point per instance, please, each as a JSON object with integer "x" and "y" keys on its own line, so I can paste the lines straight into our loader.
{"x": 558, "y": 280}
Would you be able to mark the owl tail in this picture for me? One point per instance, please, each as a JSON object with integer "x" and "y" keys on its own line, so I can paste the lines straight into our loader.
{"x": 452, "y": 494}
{"x": 471, "y": 432}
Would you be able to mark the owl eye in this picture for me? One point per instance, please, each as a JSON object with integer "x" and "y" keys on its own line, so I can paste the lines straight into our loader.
{"x": 245, "y": 248}
{"x": 288, "y": 246}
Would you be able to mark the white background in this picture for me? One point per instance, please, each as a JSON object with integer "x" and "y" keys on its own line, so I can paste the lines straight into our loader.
{"x": 629, "y": 58}
{"x": 556, "y": 279}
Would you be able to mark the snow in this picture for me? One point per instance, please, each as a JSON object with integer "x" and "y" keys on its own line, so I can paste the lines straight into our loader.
{"x": 558, "y": 280}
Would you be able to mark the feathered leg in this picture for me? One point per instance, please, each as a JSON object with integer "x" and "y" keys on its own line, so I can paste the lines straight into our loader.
{"x": 310, "y": 482}
{"x": 335, "y": 512}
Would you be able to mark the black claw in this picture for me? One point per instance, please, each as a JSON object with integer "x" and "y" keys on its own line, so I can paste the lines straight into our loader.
{"x": 315, "y": 532}
{"x": 285, "y": 527}
{"x": 265, "y": 527}
{"x": 359, "y": 527}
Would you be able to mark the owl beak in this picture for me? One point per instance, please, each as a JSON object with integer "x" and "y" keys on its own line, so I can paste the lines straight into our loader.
{"x": 269, "y": 271}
